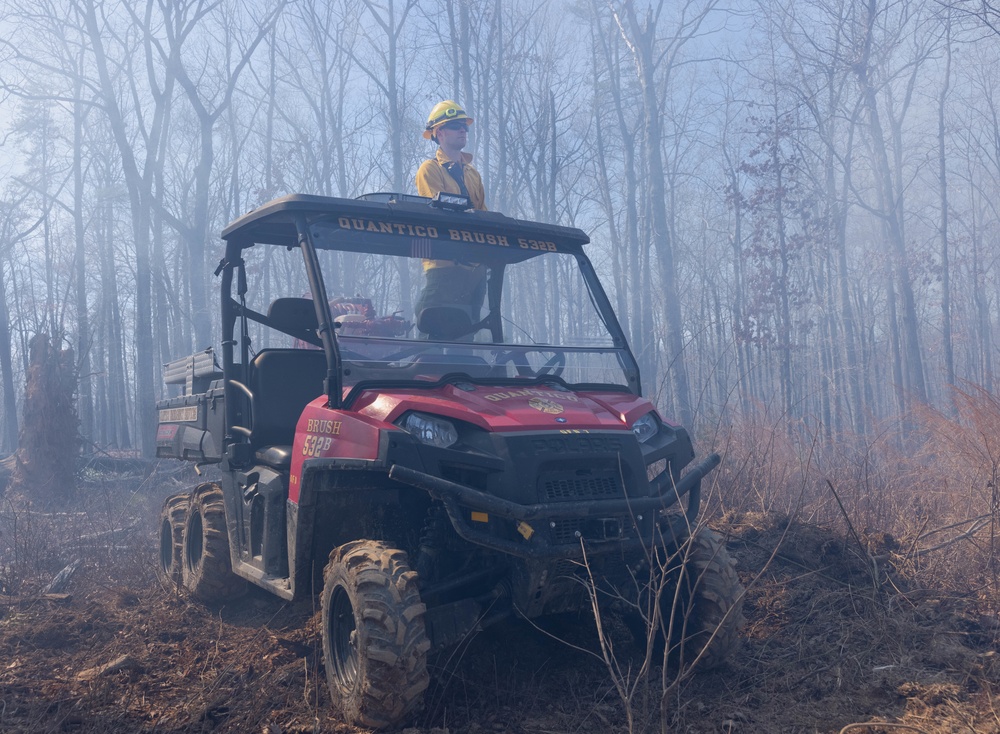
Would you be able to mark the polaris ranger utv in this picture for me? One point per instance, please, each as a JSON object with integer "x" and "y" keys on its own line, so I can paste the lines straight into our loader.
{"x": 429, "y": 473}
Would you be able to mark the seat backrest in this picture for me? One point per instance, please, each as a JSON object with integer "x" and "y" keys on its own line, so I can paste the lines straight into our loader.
{"x": 292, "y": 314}
{"x": 283, "y": 382}
{"x": 445, "y": 323}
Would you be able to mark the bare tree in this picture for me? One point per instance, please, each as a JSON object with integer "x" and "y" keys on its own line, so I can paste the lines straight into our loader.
{"x": 15, "y": 227}
{"x": 208, "y": 89}
{"x": 656, "y": 57}
{"x": 115, "y": 87}
{"x": 890, "y": 193}
{"x": 818, "y": 76}
{"x": 387, "y": 68}
{"x": 946, "y": 335}
{"x": 319, "y": 129}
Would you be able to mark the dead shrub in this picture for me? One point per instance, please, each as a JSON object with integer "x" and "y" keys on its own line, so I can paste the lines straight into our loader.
{"x": 919, "y": 495}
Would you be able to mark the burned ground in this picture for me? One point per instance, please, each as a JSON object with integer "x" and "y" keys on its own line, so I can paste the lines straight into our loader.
{"x": 834, "y": 636}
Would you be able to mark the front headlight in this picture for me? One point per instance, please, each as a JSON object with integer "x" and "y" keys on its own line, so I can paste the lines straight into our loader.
{"x": 646, "y": 427}
{"x": 429, "y": 429}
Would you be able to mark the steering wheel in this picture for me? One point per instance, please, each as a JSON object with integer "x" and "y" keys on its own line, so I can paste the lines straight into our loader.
{"x": 517, "y": 358}
{"x": 554, "y": 366}
{"x": 404, "y": 353}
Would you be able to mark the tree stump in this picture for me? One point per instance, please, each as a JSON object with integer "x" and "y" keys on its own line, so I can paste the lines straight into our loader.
{"x": 49, "y": 442}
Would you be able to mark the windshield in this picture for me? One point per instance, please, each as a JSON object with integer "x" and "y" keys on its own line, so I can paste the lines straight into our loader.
{"x": 418, "y": 319}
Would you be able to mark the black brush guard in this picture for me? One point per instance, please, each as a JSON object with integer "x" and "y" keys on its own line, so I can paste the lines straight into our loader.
{"x": 460, "y": 500}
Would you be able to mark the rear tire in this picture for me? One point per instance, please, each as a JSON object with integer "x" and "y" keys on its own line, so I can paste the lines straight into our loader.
{"x": 206, "y": 568}
{"x": 173, "y": 516}
{"x": 375, "y": 642}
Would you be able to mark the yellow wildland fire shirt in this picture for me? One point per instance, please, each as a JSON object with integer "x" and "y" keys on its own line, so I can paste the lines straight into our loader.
{"x": 433, "y": 177}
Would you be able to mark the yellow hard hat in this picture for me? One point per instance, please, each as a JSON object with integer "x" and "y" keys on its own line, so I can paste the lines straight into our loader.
{"x": 443, "y": 112}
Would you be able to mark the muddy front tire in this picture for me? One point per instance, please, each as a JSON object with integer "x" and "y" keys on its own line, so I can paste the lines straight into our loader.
{"x": 375, "y": 642}
{"x": 206, "y": 569}
{"x": 704, "y": 614}
{"x": 173, "y": 516}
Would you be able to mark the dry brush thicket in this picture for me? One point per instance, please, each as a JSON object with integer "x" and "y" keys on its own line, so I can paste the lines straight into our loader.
{"x": 918, "y": 498}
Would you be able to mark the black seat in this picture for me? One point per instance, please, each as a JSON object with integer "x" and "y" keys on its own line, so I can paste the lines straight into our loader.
{"x": 445, "y": 323}
{"x": 292, "y": 314}
{"x": 295, "y": 316}
{"x": 283, "y": 382}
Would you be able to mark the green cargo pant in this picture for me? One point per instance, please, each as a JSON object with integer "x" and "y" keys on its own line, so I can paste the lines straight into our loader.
{"x": 456, "y": 285}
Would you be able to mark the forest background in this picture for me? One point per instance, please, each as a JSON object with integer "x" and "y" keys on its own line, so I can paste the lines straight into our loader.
{"x": 793, "y": 204}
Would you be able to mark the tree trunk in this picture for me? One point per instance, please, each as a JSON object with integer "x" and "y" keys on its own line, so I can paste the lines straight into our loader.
{"x": 643, "y": 41}
{"x": 83, "y": 337}
{"x": 947, "y": 345}
{"x": 140, "y": 202}
{"x": 892, "y": 210}
{"x": 8, "y": 439}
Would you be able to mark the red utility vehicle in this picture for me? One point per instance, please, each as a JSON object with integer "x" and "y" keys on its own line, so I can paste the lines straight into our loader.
{"x": 427, "y": 474}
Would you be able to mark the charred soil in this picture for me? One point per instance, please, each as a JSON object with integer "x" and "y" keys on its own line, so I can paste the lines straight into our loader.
{"x": 834, "y": 636}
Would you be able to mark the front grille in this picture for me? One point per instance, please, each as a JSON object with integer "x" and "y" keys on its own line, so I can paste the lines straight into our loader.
{"x": 565, "y": 531}
{"x": 564, "y": 487}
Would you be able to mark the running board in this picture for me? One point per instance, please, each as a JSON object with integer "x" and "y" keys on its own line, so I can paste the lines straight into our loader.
{"x": 280, "y": 585}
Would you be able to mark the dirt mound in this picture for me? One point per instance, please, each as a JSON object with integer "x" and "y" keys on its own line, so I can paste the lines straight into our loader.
{"x": 832, "y": 637}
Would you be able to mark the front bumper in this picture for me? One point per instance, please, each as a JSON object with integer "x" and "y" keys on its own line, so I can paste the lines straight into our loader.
{"x": 609, "y": 516}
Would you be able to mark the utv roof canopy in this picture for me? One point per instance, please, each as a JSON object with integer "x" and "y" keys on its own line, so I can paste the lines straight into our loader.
{"x": 400, "y": 225}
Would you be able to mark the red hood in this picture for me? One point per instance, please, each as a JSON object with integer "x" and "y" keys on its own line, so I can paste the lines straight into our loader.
{"x": 510, "y": 408}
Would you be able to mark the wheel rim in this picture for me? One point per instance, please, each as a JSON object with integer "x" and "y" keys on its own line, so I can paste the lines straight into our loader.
{"x": 166, "y": 546}
{"x": 194, "y": 541}
{"x": 343, "y": 638}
